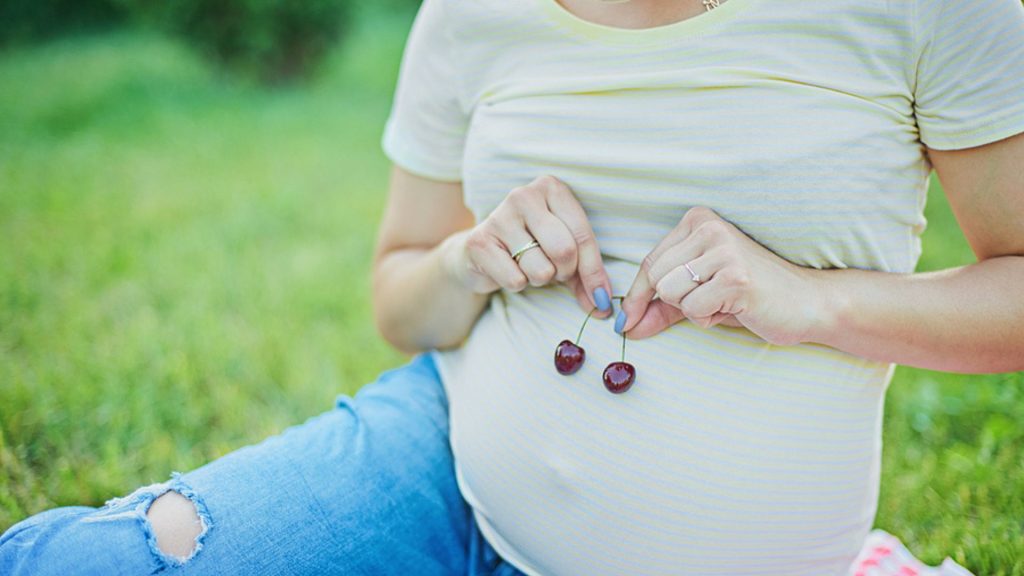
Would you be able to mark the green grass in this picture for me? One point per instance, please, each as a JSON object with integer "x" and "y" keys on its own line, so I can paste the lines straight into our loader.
{"x": 184, "y": 267}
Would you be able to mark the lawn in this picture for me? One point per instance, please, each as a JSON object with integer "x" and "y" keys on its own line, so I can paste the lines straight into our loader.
{"x": 184, "y": 269}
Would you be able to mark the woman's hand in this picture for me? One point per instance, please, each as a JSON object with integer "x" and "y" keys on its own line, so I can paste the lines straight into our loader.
{"x": 545, "y": 210}
{"x": 741, "y": 283}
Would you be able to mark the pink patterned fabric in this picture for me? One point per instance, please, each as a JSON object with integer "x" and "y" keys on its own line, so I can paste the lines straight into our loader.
{"x": 884, "y": 555}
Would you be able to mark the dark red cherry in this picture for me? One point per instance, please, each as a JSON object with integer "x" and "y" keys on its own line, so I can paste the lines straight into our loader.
{"x": 619, "y": 376}
{"x": 569, "y": 357}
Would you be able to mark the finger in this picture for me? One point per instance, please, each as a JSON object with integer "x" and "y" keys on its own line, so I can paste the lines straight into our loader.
{"x": 675, "y": 286}
{"x": 590, "y": 266}
{"x": 535, "y": 265}
{"x": 656, "y": 318}
{"x": 679, "y": 282}
{"x": 555, "y": 241}
{"x": 680, "y": 244}
{"x": 635, "y": 305}
{"x": 718, "y": 318}
{"x": 643, "y": 290}
{"x": 729, "y": 320}
{"x": 491, "y": 257}
{"x": 675, "y": 256}
{"x": 510, "y": 228}
{"x": 709, "y": 299}
{"x": 580, "y": 292}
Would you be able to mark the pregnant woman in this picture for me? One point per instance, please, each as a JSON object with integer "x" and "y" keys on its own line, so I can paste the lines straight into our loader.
{"x": 748, "y": 176}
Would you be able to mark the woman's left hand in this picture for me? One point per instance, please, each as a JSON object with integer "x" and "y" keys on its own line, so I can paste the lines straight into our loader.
{"x": 741, "y": 283}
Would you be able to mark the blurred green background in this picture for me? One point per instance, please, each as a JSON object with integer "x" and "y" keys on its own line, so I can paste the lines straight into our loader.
{"x": 184, "y": 269}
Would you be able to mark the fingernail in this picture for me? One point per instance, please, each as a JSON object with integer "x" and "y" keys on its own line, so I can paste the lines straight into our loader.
{"x": 601, "y": 299}
{"x": 620, "y": 321}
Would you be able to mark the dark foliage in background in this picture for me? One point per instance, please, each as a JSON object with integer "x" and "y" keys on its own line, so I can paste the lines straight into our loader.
{"x": 274, "y": 41}
{"x": 28, "y": 20}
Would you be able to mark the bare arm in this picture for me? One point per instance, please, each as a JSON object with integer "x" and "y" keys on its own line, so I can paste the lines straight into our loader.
{"x": 418, "y": 303}
{"x": 966, "y": 319}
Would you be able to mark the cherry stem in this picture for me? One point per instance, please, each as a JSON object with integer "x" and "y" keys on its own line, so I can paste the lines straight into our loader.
{"x": 587, "y": 319}
{"x": 623, "y": 332}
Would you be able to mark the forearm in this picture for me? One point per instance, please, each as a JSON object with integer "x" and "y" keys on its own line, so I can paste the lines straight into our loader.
{"x": 968, "y": 319}
{"x": 419, "y": 303}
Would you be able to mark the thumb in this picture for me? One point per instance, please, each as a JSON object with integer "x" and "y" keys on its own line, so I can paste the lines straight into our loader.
{"x": 636, "y": 303}
{"x": 656, "y": 317}
{"x": 718, "y": 318}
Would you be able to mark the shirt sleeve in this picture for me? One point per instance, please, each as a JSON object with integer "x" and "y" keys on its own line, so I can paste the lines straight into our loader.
{"x": 426, "y": 128}
{"x": 970, "y": 72}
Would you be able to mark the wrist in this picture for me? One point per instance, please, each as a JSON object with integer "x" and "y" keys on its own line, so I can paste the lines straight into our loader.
{"x": 829, "y": 304}
{"x": 455, "y": 263}
{"x": 452, "y": 255}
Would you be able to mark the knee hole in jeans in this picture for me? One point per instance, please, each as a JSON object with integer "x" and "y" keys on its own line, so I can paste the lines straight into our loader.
{"x": 176, "y": 524}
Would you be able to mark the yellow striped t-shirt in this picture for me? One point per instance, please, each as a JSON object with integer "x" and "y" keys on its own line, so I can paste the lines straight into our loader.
{"x": 802, "y": 123}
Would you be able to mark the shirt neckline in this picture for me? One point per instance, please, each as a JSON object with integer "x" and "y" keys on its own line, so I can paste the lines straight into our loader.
{"x": 692, "y": 26}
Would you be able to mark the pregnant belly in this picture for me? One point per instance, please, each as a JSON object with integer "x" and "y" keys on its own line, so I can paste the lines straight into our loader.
{"x": 728, "y": 455}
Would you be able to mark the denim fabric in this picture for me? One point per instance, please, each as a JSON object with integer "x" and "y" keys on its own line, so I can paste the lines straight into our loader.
{"x": 366, "y": 488}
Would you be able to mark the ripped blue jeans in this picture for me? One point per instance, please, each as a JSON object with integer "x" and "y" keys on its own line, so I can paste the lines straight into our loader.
{"x": 366, "y": 488}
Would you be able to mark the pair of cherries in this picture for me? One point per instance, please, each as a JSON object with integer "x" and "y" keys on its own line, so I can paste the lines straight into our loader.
{"x": 569, "y": 357}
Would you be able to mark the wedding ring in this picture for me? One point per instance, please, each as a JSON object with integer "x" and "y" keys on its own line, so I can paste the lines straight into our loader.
{"x": 693, "y": 275}
{"x": 528, "y": 246}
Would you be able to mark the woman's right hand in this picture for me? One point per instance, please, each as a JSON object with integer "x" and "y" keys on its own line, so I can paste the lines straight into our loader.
{"x": 544, "y": 210}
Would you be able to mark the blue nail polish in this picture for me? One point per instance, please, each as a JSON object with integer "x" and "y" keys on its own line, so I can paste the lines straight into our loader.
{"x": 620, "y": 321}
{"x": 601, "y": 299}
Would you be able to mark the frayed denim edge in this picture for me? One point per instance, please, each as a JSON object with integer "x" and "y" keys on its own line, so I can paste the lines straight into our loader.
{"x": 142, "y": 499}
{"x": 178, "y": 485}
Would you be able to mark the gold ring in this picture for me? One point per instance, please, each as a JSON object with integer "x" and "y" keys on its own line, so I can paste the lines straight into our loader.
{"x": 519, "y": 253}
